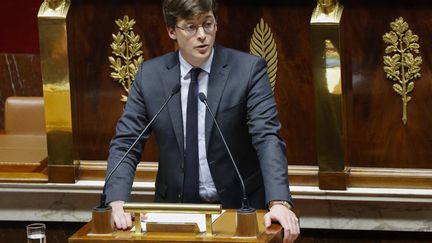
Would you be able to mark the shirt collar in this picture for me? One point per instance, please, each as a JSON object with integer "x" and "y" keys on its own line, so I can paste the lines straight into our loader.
{"x": 185, "y": 67}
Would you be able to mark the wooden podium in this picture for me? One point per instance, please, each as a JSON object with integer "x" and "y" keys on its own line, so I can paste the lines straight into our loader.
{"x": 224, "y": 230}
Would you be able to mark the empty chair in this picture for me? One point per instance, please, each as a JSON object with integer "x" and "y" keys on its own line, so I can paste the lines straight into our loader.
{"x": 24, "y": 115}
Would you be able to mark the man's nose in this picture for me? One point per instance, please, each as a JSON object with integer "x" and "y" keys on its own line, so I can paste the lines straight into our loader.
{"x": 200, "y": 32}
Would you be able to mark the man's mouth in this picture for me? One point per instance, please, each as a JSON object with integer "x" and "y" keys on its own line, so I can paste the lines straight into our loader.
{"x": 201, "y": 47}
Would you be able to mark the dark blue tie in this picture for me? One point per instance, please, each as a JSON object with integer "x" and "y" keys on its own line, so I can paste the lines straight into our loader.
{"x": 191, "y": 176}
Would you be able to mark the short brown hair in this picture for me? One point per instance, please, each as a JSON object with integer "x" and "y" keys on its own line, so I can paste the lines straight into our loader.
{"x": 186, "y": 9}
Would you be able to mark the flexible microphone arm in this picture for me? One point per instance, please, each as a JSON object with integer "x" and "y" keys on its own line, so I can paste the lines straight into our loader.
{"x": 245, "y": 203}
{"x": 174, "y": 91}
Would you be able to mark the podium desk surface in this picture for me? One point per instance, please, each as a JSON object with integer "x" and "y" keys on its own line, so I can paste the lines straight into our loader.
{"x": 224, "y": 229}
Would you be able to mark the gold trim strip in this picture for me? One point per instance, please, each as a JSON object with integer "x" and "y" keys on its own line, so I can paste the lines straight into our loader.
{"x": 146, "y": 171}
{"x": 390, "y": 178}
{"x": 172, "y": 208}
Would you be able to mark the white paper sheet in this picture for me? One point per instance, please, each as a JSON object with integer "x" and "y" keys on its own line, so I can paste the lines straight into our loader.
{"x": 199, "y": 219}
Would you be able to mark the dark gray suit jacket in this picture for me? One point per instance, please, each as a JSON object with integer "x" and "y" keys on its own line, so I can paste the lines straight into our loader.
{"x": 240, "y": 95}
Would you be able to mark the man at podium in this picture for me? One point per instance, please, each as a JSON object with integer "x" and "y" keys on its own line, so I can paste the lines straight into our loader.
{"x": 195, "y": 166}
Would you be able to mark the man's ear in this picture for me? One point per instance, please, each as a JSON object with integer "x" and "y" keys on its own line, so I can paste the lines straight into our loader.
{"x": 171, "y": 32}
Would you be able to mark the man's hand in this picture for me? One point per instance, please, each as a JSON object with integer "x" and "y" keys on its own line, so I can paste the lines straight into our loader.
{"x": 286, "y": 218}
{"x": 122, "y": 220}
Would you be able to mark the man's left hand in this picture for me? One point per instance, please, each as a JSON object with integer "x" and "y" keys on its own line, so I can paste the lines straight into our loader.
{"x": 286, "y": 218}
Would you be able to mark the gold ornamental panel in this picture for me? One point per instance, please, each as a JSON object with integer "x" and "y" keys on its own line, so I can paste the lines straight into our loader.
{"x": 262, "y": 44}
{"x": 127, "y": 57}
{"x": 402, "y": 65}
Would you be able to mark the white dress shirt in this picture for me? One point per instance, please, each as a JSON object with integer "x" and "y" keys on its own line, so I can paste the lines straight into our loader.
{"x": 207, "y": 189}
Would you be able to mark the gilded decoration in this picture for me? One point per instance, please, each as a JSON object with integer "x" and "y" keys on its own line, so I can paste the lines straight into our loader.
{"x": 263, "y": 44}
{"x": 327, "y": 11}
{"x": 53, "y": 41}
{"x": 54, "y": 8}
{"x": 403, "y": 64}
{"x": 327, "y": 66}
{"x": 127, "y": 57}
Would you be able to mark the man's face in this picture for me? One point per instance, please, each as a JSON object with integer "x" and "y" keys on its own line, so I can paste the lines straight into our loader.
{"x": 195, "y": 37}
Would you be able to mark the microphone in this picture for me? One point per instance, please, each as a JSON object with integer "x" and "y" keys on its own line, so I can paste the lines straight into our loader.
{"x": 245, "y": 203}
{"x": 103, "y": 205}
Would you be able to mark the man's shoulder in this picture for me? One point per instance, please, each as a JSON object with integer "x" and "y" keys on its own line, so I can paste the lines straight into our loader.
{"x": 158, "y": 62}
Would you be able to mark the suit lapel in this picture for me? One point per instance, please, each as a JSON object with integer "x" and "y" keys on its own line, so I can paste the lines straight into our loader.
{"x": 170, "y": 79}
{"x": 216, "y": 84}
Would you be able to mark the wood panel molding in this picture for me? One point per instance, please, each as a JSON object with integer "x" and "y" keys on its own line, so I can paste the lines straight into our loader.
{"x": 62, "y": 173}
{"x": 332, "y": 180}
{"x": 23, "y": 177}
{"x": 146, "y": 171}
{"x": 300, "y": 175}
{"x": 304, "y": 175}
{"x": 390, "y": 177}
{"x": 96, "y": 170}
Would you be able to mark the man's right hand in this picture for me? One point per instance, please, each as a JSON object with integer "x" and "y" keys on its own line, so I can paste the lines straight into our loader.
{"x": 122, "y": 220}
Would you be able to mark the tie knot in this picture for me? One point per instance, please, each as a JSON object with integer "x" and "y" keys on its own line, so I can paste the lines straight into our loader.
{"x": 194, "y": 74}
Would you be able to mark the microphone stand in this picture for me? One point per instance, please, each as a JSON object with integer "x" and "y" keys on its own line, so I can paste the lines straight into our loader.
{"x": 102, "y": 220}
{"x": 246, "y": 220}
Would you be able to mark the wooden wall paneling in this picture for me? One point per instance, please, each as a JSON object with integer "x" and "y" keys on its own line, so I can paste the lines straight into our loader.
{"x": 96, "y": 100}
{"x": 97, "y": 103}
{"x": 289, "y": 23}
{"x": 376, "y": 136}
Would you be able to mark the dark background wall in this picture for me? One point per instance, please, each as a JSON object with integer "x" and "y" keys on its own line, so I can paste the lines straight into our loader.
{"x": 20, "y": 73}
{"x": 18, "y": 26}
{"x": 375, "y": 133}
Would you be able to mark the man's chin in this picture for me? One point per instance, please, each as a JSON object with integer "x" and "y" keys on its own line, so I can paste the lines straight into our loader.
{"x": 201, "y": 57}
{"x": 203, "y": 53}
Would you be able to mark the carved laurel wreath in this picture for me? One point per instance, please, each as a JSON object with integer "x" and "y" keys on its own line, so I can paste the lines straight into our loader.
{"x": 402, "y": 67}
{"x": 127, "y": 54}
{"x": 263, "y": 44}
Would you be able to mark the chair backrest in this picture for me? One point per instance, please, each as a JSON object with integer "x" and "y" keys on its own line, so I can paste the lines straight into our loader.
{"x": 24, "y": 115}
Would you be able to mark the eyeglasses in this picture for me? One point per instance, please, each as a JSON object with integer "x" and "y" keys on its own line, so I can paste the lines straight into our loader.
{"x": 191, "y": 29}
